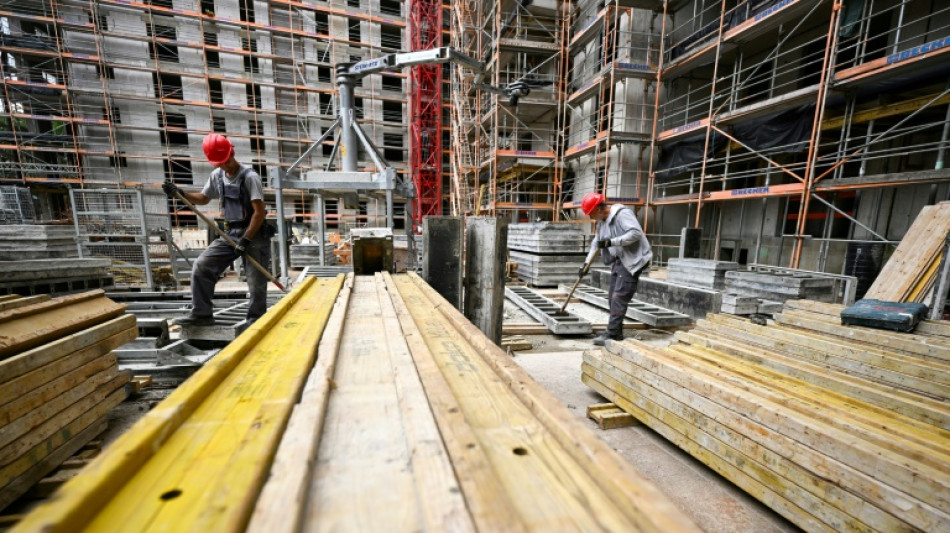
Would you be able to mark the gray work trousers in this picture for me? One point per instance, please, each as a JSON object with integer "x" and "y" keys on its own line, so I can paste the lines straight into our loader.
{"x": 623, "y": 285}
{"x": 211, "y": 264}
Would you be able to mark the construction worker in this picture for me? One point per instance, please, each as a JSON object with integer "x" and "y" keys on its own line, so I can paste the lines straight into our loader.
{"x": 624, "y": 248}
{"x": 241, "y": 194}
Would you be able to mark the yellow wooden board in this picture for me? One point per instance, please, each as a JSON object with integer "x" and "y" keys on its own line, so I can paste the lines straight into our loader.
{"x": 197, "y": 460}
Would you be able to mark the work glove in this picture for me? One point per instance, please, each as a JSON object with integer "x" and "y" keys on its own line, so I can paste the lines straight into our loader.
{"x": 170, "y": 189}
{"x": 242, "y": 245}
{"x": 581, "y": 272}
{"x": 603, "y": 243}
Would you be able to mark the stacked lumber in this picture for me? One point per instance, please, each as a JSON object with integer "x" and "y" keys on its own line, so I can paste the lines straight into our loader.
{"x": 410, "y": 419}
{"x": 831, "y": 431}
{"x": 58, "y": 381}
{"x": 547, "y": 253}
{"x": 702, "y": 273}
{"x": 910, "y": 273}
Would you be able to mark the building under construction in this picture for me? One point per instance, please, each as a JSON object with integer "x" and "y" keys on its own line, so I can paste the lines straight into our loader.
{"x": 784, "y": 363}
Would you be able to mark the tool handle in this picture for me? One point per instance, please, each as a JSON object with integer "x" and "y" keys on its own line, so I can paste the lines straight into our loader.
{"x": 578, "y": 282}
{"x": 230, "y": 241}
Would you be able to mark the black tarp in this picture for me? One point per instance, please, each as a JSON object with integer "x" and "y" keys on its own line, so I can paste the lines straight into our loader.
{"x": 783, "y": 132}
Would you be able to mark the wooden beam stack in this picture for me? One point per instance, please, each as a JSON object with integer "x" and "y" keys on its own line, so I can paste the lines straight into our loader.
{"x": 58, "y": 381}
{"x": 835, "y": 431}
{"x": 910, "y": 273}
{"x": 410, "y": 419}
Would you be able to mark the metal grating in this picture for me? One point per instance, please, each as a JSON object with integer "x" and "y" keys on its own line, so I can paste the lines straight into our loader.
{"x": 128, "y": 227}
{"x": 16, "y": 206}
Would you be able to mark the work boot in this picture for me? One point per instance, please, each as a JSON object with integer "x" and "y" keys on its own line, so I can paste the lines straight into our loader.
{"x": 192, "y": 320}
{"x": 601, "y": 340}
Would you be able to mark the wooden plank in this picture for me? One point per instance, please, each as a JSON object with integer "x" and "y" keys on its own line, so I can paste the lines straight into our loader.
{"x": 870, "y": 364}
{"x": 36, "y": 410}
{"x": 218, "y": 458}
{"x": 897, "y": 470}
{"x": 28, "y": 327}
{"x": 83, "y": 498}
{"x": 826, "y": 376}
{"x": 17, "y": 302}
{"x": 46, "y": 428}
{"x": 516, "y": 343}
{"x": 534, "y": 328}
{"x": 28, "y": 397}
{"x": 381, "y": 464}
{"x": 915, "y": 253}
{"x": 485, "y": 496}
{"x": 111, "y": 334}
{"x": 777, "y": 479}
{"x": 22, "y": 385}
{"x": 788, "y": 467}
{"x": 21, "y": 484}
{"x": 642, "y": 503}
{"x": 940, "y": 328}
{"x": 75, "y": 424}
{"x": 282, "y": 502}
{"x": 609, "y": 416}
{"x": 905, "y": 342}
{"x": 138, "y": 383}
{"x": 925, "y": 442}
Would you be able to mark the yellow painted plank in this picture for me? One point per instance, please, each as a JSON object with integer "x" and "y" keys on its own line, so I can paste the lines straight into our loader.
{"x": 917, "y": 406}
{"x": 927, "y": 485}
{"x": 519, "y": 447}
{"x": 208, "y": 474}
{"x": 83, "y": 498}
{"x": 798, "y": 470}
{"x": 802, "y": 497}
{"x": 282, "y": 502}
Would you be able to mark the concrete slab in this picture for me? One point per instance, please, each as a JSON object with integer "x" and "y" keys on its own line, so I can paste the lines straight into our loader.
{"x": 547, "y": 312}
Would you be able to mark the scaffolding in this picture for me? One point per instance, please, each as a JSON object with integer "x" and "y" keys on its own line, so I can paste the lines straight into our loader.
{"x": 506, "y": 157}
{"x": 610, "y": 103}
{"x": 119, "y": 93}
{"x": 832, "y": 114}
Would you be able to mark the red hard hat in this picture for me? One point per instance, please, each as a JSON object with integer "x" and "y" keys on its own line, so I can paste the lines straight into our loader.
{"x": 218, "y": 149}
{"x": 591, "y": 201}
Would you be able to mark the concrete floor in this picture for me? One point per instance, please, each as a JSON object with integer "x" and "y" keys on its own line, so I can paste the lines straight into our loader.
{"x": 710, "y": 500}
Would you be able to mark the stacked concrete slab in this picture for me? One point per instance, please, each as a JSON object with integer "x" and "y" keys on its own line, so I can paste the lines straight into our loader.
{"x": 54, "y": 276}
{"x": 33, "y": 241}
{"x": 779, "y": 287}
{"x": 304, "y": 255}
{"x": 702, "y": 273}
{"x": 547, "y": 253}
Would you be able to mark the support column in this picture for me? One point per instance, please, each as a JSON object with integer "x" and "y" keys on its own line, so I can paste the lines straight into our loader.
{"x": 486, "y": 243}
{"x": 442, "y": 256}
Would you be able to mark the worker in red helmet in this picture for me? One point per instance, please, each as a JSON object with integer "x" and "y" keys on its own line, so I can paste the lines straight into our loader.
{"x": 624, "y": 248}
{"x": 241, "y": 194}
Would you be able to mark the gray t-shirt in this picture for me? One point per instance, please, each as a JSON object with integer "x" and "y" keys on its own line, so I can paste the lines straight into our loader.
{"x": 252, "y": 182}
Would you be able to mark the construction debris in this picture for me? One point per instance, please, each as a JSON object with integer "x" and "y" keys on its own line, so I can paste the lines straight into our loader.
{"x": 833, "y": 429}
{"x": 58, "y": 381}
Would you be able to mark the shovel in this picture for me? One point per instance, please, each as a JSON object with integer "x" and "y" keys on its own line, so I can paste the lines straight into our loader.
{"x": 576, "y": 283}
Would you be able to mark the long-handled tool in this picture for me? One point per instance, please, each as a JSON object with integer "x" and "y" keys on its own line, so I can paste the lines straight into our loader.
{"x": 230, "y": 241}
{"x": 576, "y": 283}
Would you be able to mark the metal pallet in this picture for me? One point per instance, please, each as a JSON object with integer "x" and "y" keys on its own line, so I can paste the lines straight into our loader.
{"x": 658, "y": 317}
{"x": 546, "y": 311}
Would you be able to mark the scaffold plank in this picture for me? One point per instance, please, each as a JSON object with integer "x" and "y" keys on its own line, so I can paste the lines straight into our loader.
{"x": 197, "y": 461}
